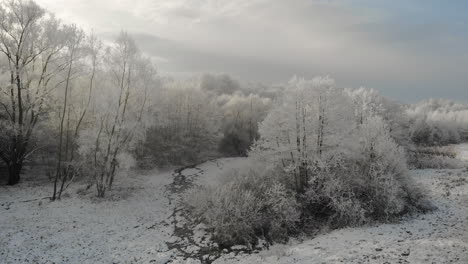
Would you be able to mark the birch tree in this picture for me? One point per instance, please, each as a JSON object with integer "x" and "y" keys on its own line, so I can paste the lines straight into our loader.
{"x": 119, "y": 109}
{"x": 73, "y": 53}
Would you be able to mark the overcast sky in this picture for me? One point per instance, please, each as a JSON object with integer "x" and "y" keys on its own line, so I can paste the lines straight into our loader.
{"x": 408, "y": 49}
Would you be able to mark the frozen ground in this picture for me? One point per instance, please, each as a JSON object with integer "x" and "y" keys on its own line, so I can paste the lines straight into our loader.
{"x": 140, "y": 222}
{"x": 129, "y": 226}
{"x": 462, "y": 151}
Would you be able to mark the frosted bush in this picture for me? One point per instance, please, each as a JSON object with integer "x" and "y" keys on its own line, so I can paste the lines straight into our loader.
{"x": 246, "y": 205}
{"x": 371, "y": 185}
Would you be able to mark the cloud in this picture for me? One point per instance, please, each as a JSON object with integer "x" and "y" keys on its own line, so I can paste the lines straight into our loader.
{"x": 359, "y": 42}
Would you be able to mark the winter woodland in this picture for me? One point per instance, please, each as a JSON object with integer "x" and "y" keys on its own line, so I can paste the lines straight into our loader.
{"x": 105, "y": 160}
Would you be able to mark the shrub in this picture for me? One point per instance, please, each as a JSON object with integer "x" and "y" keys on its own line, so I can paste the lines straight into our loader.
{"x": 371, "y": 183}
{"x": 433, "y": 158}
{"x": 247, "y": 204}
{"x": 330, "y": 197}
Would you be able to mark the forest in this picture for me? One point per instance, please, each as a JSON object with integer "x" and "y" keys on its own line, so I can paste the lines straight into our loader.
{"x": 81, "y": 118}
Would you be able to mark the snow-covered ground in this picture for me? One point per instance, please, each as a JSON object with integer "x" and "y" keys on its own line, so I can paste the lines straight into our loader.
{"x": 140, "y": 222}
{"x": 130, "y": 226}
{"x": 135, "y": 223}
{"x": 462, "y": 151}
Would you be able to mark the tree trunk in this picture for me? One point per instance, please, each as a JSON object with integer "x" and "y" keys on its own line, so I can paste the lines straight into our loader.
{"x": 101, "y": 190}
{"x": 14, "y": 171}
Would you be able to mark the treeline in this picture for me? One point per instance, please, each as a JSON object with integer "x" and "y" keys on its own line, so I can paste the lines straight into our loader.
{"x": 201, "y": 118}
{"x": 65, "y": 91}
{"x": 438, "y": 122}
{"x": 84, "y": 108}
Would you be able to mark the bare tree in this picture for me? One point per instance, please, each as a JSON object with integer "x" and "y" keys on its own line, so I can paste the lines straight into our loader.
{"x": 73, "y": 47}
{"x": 94, "y": 51}
{"x": 119, "y": 116}
{"x": 30, "y": 43}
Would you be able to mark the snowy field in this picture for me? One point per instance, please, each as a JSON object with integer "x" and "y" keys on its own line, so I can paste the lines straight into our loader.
{"x": 139, "y": 222}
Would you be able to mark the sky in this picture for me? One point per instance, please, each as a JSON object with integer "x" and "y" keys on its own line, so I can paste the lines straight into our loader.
{"x": 407, "y": 49}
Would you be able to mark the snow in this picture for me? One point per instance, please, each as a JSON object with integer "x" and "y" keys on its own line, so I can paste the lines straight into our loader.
{"x": 462, "y": 151}
{"x": 214, "y": 169}
{"x": 137, "y": 222}
{"x": 132, "y": 227}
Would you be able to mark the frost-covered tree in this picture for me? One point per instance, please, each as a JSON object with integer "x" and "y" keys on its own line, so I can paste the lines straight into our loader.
{"x": 369, "y": 103}
{"x": 72, "y": 54}
{"x": 184, "y": 125}
{"x": 30, "y": 46}
{"x": 119, "y": 109}
{"x": 383, "y": 168}
{"x": 241, "y": 116}
{"x": 437, "y": 122}
{"x": 312, "y": 118}
{"x": 339, "y": 149}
